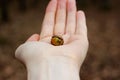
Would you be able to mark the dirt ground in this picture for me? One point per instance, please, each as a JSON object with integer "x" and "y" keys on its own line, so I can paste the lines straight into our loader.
{"x": 103, "y": 58}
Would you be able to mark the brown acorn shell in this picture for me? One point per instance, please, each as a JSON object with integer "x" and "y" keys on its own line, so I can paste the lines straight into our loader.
{"x": 57, "y": 40}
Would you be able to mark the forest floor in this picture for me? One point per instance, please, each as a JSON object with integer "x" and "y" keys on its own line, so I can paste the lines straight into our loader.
{"x": 102, "y": 61}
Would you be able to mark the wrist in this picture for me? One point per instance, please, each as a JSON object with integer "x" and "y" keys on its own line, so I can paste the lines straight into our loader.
{"x": 53, "y": 68}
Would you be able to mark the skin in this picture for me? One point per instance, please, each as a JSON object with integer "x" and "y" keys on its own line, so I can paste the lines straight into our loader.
{"x": 74, "y": 30}
{"x": 61, "y": 18}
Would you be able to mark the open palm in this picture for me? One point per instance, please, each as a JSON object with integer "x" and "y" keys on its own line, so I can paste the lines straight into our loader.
{"x": 62, "y": 19}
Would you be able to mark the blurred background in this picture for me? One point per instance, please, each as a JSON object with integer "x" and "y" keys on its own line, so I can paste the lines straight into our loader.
{"x": 19, "y": 19}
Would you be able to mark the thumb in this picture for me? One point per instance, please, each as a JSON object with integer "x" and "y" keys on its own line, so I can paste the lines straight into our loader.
{"x": 34, "y": 37}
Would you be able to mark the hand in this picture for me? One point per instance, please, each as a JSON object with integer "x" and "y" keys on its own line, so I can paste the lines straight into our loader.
{"x": 62, "y": 19}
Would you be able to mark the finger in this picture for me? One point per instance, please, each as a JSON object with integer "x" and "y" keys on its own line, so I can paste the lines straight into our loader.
{"x": 60, "y": 18}
{"x": 49, "y": 20}
{"x": 71, "y": 16}
{"x": 34, "y": 37}
{"x": 81, "y": 23}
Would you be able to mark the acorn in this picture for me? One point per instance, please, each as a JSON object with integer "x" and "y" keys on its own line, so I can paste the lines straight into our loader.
{"x": 57, "y": 40}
